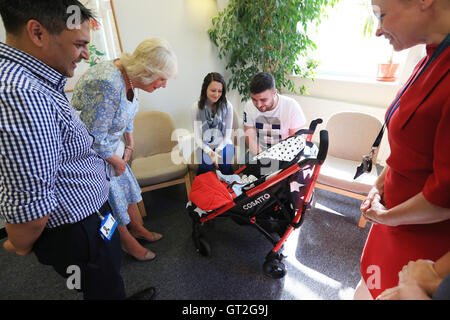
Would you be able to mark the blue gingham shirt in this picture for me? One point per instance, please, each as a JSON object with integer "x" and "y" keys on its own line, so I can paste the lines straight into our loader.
{"x": 47, "y": 164}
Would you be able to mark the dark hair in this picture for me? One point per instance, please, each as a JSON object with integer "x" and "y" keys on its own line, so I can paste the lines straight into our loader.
{"x": 51, "y": 14}
{"x": 262, "y": 82}
{"x": 210, "y": 77}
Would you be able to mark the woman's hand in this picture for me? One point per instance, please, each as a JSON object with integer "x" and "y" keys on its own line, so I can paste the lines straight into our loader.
{"x": 119, "y": 167}
{"x": 129, "y": 146}
{"x": 127, "y": 154}
{"x": 215, "y": 158}
{"x": 367, "y": 203}
{"x": 376, "y": 191}
{"x": 118, "y": 163}
{"x": 376, "y": 212}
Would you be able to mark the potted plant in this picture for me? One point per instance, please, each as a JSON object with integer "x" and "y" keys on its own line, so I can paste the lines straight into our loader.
{"x": 385, "y": 71}
{"x": 263, "y": 35}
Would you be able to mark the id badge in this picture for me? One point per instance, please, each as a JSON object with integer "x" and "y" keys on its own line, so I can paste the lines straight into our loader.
{"x": 108, "y": 227}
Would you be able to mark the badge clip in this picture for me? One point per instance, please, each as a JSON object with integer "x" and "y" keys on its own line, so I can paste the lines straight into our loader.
{"x": 107, "y": 227}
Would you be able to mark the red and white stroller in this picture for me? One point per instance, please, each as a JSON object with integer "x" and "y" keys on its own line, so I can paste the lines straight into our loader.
{"x": 275, "y": 203}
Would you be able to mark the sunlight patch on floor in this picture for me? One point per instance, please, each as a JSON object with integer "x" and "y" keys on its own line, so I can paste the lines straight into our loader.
{"x": 301, "y": 291}
{"x": 290, "y": 248}
{"x": 298, "y": 290}
{"x": 324, "y": 208}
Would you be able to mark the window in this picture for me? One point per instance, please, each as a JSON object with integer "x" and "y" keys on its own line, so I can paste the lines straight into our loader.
{"x": 342, "y": 49}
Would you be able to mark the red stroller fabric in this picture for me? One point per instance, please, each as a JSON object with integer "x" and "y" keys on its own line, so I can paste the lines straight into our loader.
{"x": 208, "y": 193}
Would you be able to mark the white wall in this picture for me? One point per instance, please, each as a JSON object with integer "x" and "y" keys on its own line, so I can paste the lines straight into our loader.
{"x": 184, "y": 23}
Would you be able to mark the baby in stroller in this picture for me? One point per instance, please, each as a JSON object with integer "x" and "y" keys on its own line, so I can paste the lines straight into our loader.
{"x": 273, "y": 201}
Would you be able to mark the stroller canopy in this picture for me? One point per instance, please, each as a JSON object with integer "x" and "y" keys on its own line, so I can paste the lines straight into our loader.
{"x": 285, "y": 150}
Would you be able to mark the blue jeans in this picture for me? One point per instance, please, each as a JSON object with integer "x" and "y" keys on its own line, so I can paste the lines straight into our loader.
{"x": 227, "y": 155}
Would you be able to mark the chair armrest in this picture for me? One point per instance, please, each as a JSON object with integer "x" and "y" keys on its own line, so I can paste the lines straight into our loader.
{"x": 186, "y": 146}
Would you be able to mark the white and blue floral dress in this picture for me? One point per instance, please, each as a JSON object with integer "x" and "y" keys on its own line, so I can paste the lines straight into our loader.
{"x": 100, "y": 95}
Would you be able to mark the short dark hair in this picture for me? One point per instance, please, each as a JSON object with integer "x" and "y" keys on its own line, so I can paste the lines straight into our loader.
{"x": 210, "y": 77}
{"x": 262, "y": 82}
{"x": 51, "y": 14}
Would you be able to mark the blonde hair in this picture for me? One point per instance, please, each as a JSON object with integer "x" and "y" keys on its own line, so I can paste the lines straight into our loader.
{"x": 152, "y": 59}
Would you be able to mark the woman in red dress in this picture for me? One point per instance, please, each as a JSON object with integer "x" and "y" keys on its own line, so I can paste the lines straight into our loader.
{"x": 409, "y": 205}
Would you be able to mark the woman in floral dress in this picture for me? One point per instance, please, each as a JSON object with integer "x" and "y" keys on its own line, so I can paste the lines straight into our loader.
{"x": 106, "y": 97}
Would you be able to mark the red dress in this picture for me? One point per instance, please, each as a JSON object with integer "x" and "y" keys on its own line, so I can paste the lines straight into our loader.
{"x": 419, "y": 138}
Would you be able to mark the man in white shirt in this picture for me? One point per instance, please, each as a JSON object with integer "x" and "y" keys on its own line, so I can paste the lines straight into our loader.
{"x": 269, "y": 117}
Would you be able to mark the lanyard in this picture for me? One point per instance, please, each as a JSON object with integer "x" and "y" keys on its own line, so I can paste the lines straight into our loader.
{"x": 396, "y": 104}
{"x": 366, "y": 164}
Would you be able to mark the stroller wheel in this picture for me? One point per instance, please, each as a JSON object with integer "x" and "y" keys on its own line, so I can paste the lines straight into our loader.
{"x": 274, "y": 269}
{"x": 203, "y": 247}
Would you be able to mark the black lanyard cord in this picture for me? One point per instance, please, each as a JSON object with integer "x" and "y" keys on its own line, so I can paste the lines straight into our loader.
{"x": 396, "y": 104}
{"x": 366, "y": 164}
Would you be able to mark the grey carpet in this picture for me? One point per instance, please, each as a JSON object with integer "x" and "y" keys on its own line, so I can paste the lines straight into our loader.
{"x": 322, "y": 263}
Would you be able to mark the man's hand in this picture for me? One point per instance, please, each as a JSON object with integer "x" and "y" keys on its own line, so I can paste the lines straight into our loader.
{"x": 417, "y": 281}
{"x": 251, "y": 140}
{"x": 422, "y": 273}
{"x": 22, "y": 236}
{"x": 8, "y": 246}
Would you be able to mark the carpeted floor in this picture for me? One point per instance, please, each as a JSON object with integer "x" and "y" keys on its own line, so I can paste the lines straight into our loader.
{"x": 322, "y": 263}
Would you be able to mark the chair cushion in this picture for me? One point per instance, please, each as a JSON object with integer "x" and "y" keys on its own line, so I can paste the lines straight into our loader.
{"x": 339, "y": 173}
{"x": 156, "y": 169}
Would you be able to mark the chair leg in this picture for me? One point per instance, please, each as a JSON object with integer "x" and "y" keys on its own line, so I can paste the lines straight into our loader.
{"x": 191, "y": 176}
{"x": 141, "y": 207}
{"x": 362, "y": 222}
{"x": 188, "y": 182}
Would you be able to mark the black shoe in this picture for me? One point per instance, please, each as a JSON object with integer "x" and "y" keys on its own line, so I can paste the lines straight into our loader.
{"x": 146, "y": 294}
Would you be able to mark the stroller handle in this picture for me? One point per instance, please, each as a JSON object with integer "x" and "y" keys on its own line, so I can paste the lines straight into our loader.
{"x": 312, "y": 127}
{"x": 323, "y": 147}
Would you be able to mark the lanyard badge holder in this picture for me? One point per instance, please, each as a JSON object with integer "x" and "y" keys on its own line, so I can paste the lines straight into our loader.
{"x": 107, "y": 227}
{"x": 366, "y": 164}
{"x": 367, "y": 161}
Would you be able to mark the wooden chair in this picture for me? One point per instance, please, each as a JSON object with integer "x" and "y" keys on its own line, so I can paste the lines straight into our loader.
{"x": 153, "y": 162}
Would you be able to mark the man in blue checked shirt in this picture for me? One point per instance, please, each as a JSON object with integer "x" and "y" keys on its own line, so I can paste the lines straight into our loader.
{"x": 53, "y": 185}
